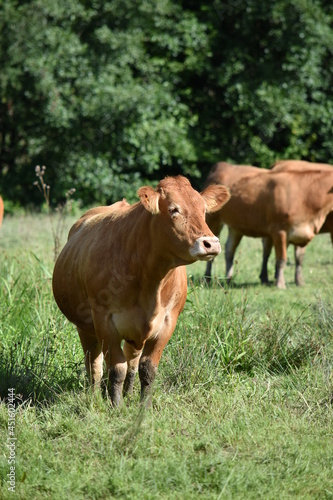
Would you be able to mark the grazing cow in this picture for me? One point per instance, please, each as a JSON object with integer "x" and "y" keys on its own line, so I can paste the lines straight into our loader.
{"x": 1, "y": 210}
{"x": 226, "y": 174}
{"x": 327, "y": 227}
{"x": 288, "y": 207}
{"x": 122, "y": 277}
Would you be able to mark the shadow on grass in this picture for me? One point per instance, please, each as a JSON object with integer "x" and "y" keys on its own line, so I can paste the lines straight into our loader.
{"x": 30, "y": 385}
{"x": 217, "y": 282}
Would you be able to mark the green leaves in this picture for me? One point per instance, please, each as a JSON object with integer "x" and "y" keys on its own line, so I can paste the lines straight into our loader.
{"x": 108, "y": 94}
{"x": 95, "y": 97}
{"x": 267, "y": 81}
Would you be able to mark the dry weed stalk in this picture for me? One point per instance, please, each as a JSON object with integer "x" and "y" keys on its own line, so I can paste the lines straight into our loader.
{"x": 57, "y": 227}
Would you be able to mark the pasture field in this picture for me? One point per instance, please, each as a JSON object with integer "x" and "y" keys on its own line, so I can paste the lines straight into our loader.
{"x": 242, "y": 405}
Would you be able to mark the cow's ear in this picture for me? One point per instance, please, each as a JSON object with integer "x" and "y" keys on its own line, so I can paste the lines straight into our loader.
{"x": 215, "y": 197}
{"x": 149, "y": 199}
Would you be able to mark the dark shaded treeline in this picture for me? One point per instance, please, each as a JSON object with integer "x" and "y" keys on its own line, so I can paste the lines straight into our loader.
{"x": 111, "y": 94}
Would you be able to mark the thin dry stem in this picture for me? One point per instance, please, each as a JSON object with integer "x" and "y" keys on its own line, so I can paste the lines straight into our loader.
{"x": 57, "y": 227}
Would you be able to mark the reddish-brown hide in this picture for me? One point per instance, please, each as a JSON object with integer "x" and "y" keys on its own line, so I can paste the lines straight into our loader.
{"x": 284, "y": 207}
{"x": 122, "y": 277}
{"x": 306, "y": 166}
{"x": 327, "y": 227}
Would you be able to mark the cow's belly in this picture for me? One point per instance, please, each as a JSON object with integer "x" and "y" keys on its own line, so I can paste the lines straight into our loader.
{"x": 300, "y": 235}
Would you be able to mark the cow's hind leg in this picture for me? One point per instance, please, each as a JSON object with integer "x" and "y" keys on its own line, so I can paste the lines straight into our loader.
{"x": 113, "y": 354}
{"x": 93, "y": 356}
{"x": 280, "y": 245}
{"x": 267, "y": 245}
{"x": 132, "y": 356}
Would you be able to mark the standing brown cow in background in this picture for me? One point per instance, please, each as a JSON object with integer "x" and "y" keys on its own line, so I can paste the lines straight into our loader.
{"x": 327, "y": 227}
{"x": 287, "y": 207}
{"x": 122, "y": 277}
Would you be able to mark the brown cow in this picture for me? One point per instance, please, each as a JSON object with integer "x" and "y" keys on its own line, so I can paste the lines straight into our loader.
{"x": 226, "y": 174}
{"x": 288, "y": 207}
{"x": 303, "y": 166}
{"x": 122, "y": 277}
{"x": 327, "y": 227}
{"x": 1, "y": 210}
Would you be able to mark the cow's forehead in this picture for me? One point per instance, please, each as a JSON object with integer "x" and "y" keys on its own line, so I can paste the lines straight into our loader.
{"x": 179, "y": 190}
{"x": 174, "y": 183}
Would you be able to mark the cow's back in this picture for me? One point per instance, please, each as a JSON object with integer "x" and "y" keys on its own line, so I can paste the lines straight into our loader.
{"x": 227, "y": 174}
{"x": 299, "y": 166}
{"x": 97, "y": 213}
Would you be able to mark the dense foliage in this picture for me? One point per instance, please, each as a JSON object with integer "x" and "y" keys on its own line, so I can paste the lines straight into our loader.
{"x": 110, "y": 94}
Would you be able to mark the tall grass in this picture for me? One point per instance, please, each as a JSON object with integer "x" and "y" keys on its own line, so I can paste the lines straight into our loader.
{"x": 39, "y": 351}
{"x": 242, "y": 404}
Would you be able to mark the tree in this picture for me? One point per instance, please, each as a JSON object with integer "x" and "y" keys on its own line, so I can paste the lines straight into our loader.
{"x": 266, "y": 90}
{"x": 111, "y": 94}
{"x": 90, "y": 90}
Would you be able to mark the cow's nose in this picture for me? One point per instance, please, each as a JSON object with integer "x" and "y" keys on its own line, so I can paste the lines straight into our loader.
{"x": 207, "y": 244}
{"x": 211, "y": 244}
{"x": 206, "y": 248}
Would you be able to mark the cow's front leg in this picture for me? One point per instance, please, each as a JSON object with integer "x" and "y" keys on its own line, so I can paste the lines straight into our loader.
{"x": 299, "y": 258}
{"x": 231, "y": 245}
{"x": 147, "y": 374}
{"x": 152, "y": 353}
{"x": 117, "y": 374}
{"x": 133, "y": 357}
{"x": 280, "y": 245}
{"x": 208, "y": 272}
{"x": 216, "y": 225}
{"x": 279, "y": 274}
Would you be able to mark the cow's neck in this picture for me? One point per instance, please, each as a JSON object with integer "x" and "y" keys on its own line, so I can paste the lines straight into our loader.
{"x": 150, "y": 262}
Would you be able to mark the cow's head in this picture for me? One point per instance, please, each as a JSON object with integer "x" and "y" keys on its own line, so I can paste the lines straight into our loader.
{"x": 180, "y": 217}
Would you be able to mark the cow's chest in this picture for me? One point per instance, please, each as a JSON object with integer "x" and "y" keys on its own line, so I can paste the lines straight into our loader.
{"x": 138, "y": 325}
{"x": 301, "y": 234}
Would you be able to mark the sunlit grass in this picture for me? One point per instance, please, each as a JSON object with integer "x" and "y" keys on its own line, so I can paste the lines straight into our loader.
{"x": 242, "y": 404}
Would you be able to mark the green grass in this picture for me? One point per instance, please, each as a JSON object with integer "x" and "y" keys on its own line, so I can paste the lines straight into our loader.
{"x": 242, "y": 404}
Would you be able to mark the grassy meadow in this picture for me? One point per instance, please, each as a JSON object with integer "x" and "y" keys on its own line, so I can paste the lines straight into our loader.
{"x": 242, "y": 404}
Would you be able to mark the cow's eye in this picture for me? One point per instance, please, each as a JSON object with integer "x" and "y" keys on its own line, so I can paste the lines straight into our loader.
{"x": 173, "y": 211}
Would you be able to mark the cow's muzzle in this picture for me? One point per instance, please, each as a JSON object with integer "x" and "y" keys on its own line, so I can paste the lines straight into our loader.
{"x": 206, "y": 248}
